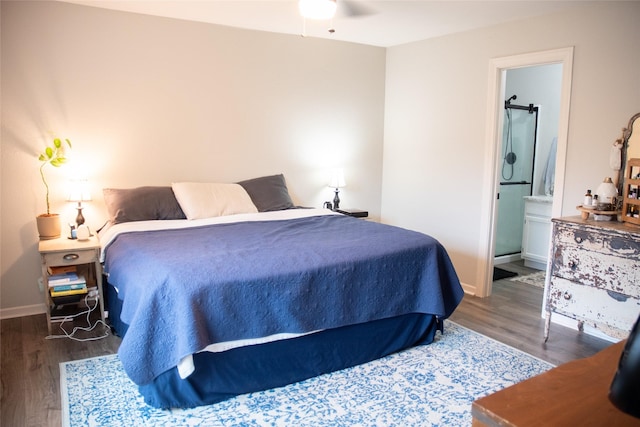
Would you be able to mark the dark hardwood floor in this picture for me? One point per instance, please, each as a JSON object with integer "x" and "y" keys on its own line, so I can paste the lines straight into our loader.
{"x": 30, "y": 375}
{"x": 512, "y": 315}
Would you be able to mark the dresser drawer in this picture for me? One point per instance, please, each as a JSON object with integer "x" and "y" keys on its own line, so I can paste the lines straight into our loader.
{"x": 611, "y": 312}
{"x": 606, "y": 262}
{"x": 70, "y": 257}
{"x": 605, "y": 271}
{"x": 607, "y": 243}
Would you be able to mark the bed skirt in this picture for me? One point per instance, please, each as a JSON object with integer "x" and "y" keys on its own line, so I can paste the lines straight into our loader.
{"x": 220, "y": 376}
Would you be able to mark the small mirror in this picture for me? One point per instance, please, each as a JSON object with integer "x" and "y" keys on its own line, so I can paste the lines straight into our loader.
{"x": 633, "y": 139}
{"x": 630, "y": 182}
{"x": 630, "y": 144}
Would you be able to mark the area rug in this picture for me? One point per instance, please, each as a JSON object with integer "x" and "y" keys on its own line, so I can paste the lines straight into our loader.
{"x": 431, "y": 385}
{"x": 535, "y": 279}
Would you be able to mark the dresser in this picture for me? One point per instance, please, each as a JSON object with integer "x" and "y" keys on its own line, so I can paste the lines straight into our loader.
{"x": 595, "y": 274}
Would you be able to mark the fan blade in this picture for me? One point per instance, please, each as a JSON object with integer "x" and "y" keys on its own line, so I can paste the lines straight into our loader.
{"x": 354, "y": 9}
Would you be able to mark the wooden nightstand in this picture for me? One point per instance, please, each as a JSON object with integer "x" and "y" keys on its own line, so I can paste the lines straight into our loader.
{"x": 356, "y": 213}
{"x": 84, "y": 254}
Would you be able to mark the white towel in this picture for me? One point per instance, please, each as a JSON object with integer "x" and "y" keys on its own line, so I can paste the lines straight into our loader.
{"x": 550, "y": 170}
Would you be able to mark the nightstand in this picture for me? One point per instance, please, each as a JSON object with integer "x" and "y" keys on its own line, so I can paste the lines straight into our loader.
{"x": 356, "y": 213}
{"x": 64, "y": 252}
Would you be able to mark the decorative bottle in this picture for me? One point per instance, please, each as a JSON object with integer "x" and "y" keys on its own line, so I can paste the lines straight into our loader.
{"x": 588, "y": 199}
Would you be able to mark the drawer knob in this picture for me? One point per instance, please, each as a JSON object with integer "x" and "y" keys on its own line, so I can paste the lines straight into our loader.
{"x": 579, "y": 239}
{"x": 567, "y": 296}
{"x": 572, "y": 265}
{"x": 70, "y": 257}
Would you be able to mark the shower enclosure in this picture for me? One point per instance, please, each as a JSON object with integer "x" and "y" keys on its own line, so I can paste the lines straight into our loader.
{"x": 516, "y": 174}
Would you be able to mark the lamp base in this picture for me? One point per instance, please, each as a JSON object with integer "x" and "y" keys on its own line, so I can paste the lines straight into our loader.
{"x": 79, "y": 217}
{"x": 336, "y": 200}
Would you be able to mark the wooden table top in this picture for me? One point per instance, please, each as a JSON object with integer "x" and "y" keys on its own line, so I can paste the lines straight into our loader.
{"x": 572, "y": 394}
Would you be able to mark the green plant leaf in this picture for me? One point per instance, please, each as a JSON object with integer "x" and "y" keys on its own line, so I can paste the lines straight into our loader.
{"x": 55, "y": 156}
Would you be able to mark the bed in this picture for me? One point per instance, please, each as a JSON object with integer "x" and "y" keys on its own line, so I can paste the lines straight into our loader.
{"x": 220, "y": 290}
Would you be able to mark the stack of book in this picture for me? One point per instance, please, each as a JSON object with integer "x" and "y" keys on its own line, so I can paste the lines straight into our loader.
{"x": 66, "y": 287}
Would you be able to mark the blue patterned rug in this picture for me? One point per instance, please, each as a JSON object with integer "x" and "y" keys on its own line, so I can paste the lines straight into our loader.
{"x": 432, "y": 385}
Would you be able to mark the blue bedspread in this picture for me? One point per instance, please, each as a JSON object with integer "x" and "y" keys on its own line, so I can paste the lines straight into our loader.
{"x": 187, "y": 288}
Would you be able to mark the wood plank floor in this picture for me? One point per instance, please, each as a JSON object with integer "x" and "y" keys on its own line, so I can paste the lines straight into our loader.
{"x": 30, "y": 375}
{"x": 512, "y": 315}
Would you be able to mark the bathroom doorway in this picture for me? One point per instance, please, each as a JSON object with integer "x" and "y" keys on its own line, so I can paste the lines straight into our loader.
{"x": 493, "y": 158}
{"x": 528, "y": 152}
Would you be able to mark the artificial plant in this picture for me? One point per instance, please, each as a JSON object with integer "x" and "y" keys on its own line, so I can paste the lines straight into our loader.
{"x": 55, "y": 156}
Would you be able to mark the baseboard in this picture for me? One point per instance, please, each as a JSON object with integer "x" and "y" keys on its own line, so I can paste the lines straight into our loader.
{"x": 25, "y": 310}
{"x": 468, "y": 289}
{"x": 505, "y": 259}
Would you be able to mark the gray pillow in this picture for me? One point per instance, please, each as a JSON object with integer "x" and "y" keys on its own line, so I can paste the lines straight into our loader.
{"x": 268, "y": 193}
{"x": 141, "y": 204}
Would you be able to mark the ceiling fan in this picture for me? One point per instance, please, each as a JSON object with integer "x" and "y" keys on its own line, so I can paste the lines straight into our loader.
{"x": 326, "y": 10}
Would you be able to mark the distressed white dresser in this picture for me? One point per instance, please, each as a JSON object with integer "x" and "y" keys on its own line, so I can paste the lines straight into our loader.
{"x": 595, "y": 274}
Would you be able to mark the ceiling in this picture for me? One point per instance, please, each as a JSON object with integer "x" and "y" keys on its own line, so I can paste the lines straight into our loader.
{"x": 382, "y": 23}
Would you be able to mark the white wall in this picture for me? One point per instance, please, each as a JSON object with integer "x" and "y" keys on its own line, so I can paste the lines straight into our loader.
{"x": 436, "y": 118}
{"x": 148, "y": 101}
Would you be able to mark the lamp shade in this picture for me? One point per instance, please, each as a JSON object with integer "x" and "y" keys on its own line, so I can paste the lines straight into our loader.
{"x": 607, "y": 191}
{"x": 317, "y": 9}
{"x": 337, "y": 179}
{"x": 79, "y": 191}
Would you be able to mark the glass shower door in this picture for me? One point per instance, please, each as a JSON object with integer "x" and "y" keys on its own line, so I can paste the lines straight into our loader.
{"x": 518, "y": 148}
{"x": 510, "y": 218}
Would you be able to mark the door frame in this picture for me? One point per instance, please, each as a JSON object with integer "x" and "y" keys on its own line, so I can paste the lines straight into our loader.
{"x": 495, "y": 103}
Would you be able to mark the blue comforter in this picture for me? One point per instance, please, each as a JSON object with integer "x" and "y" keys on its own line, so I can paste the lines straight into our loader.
{"x": 184, "y": 289}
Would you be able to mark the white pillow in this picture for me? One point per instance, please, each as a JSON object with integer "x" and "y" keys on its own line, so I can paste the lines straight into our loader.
{"x": 207, "y": 200}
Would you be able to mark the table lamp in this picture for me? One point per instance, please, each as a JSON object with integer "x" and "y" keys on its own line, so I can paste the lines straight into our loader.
{"x": 337, "y": 182}
{"x": 79, "y": 192}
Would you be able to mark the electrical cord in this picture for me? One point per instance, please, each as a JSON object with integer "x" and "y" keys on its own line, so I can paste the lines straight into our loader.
{"x": 71, "y": 335}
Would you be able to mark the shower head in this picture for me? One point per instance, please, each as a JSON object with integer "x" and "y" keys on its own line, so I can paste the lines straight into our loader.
{"x": 513, "y": 98}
